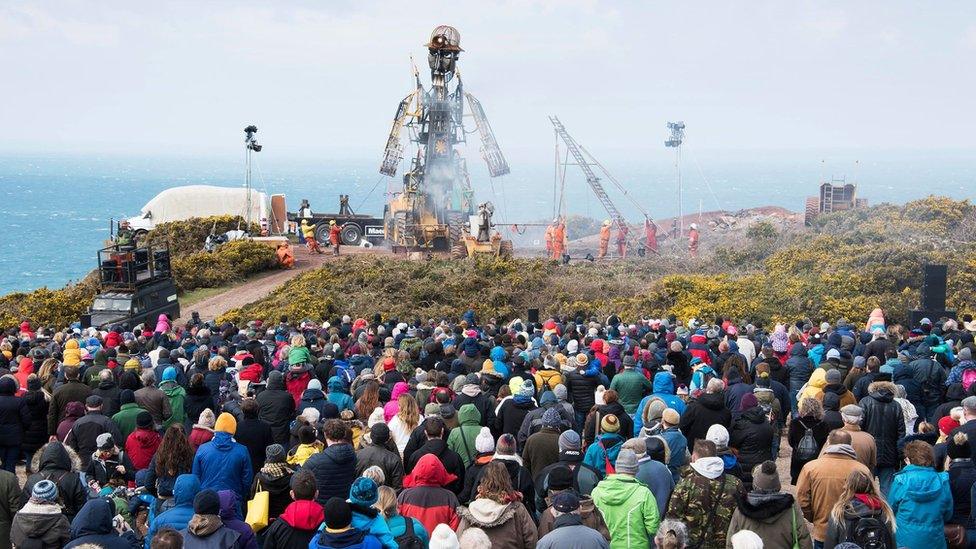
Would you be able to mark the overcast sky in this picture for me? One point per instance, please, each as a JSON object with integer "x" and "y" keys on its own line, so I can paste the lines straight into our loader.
{"x": 323, "y": 79}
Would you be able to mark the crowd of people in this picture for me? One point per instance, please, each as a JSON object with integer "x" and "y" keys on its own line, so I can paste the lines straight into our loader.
{"x": 466, "y": 432}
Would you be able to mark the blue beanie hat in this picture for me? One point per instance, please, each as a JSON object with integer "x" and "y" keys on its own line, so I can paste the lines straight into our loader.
{"x": 169, "y": 374}
{"x": 45, "y": 490}
{"x": 364, "y": 492}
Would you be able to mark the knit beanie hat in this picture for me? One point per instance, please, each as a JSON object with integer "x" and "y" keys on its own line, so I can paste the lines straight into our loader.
{"x": 315, "y": 384}
{"x": 719, "y": 436}
{"x": 206, "y": 502}
{"x": 132, "y": 364}
{"x": 443, "y": 538}
{"x": 765, "y": 478}
{"x": 207, "y": 418}
{"x": 484, "y": 442}
{"x": 169, "y": 374}
{"x": 226, "y": 424}
{"x": 505, "y": 445}
{"x": 379, "y": 433}
{"x": 364, "y": 492}
{"x": 45, "y": 490}
{"x": 571, "y": 347}
{"x": 551, "y": 418}
{"x": 569, "y": 446}
{"x": 833, "y": 376}
{"x": 274, "y": 453}
{"x": 528, "y": 389}
{"x": 746, "y": 539}
{"x": 561, "y": 392}
{"x": 626, "y": 462}
{"x": 560, "y": 478}
{"x": 610, "y": 424}
{"x": 127, "y": 396}
{"x": 144, "y": 420}
{"x": 338, "y": 515}
{"x": 104, "y": 441}
{"x": 748, "y": 401}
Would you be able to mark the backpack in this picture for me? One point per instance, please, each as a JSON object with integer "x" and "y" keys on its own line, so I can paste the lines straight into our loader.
{"x": 968, "y": 377}
{"x": 869, "y": 533}
{"x": 545, "y": 384}
{"x": 806, "y": 450}
{"x": 409, "y": 539}
{"x": 606, "y": 459}
{"x": 931, "y": 391}
{"x": 345, "y": 372}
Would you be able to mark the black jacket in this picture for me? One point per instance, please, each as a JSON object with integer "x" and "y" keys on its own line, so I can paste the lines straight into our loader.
{"x": 109, "y": 391}
{"x": 707, "y": 410}
{"x": 962, "y": 476}
{"x": 580, "y": 391}
{"x": 83, "y": 434}
{"x": 334, "y": 469}
{"x": 798, "y": 367}
{"x": 482, "y": 401}
{"x": 256, "y": 436}
{"x": 511, "y": 413}
{"x": 449, "y": 459}
{"x": 14, "y": 415}
{"x": 277, "y": 409}
{"x": 197, "y": 400}
{"x": 752, "y": 435}
{"x": 418, "y": 437}
{"x": 60, "y": 465}
{"x": 617, "y": 409}
{"x": 278, "y": 489}
{"x": 883, "y": 418}
{"x": 35, "y": 435}
{"x": 382, "y": 457}
{"x": 820, "y": 430}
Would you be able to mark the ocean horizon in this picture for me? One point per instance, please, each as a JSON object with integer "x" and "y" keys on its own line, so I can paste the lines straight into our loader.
{"x": 58, "y": 208}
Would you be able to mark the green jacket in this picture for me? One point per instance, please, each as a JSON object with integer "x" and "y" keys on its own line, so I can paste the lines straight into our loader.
{"x": 629, "y": 509}
{"x": 126, "y": 419}
{"x": 631, "y": 387}
{"x": 10, "y": 498}
{"x": 177, "y": 396}
{"x": 462, "y": 439}
{"x": 299, "y": 355}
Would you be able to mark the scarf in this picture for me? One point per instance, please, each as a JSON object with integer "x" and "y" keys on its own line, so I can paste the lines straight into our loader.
{"x": 842, "y": 449}
{"x": 276, "y": 469}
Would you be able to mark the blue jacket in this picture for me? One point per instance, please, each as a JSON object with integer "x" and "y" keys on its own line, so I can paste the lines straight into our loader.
{"x": 178, "y": 517}
{"x": 338, "y": 395}
{"x": 93, "y": 524}
{"x": 677, "y": 444}
{"x": 922, "y": 501}
{"x": 223, "y": 464}
{"x": 352, "y": 538}
{"x": 398, "y": 527}
{"x": 311, "y": 398}
{"x": 369, "y": 520}
{"x": 664, "y": 390}
{"x": 596, "y": 456}
{"x": 497, "y": 356}
{"x": 657, "y": 477}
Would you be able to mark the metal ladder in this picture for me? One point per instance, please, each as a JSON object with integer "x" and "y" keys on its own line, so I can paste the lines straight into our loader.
{"x": 591, "y": 177}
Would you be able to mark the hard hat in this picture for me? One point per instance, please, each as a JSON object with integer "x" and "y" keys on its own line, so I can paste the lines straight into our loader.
{"x": 304, "y": 222}
{"x": 694, "y": 226}
{"x": 332, "y": 222}
{"x": 555, "y": 220}
{"x": 606, "y": 221}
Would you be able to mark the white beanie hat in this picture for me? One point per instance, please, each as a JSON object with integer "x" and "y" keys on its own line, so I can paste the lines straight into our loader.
{"x": 444, "y": 538}
{"x": 746, "y": 539}
{"x": 484, "y": 442}
{"x": 718, "y": 435}
{"x": 572, "y": 346}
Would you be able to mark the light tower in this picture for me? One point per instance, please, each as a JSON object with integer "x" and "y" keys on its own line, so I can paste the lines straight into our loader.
{"x": 677, "y": 136}
{"x": 250, "y": 144}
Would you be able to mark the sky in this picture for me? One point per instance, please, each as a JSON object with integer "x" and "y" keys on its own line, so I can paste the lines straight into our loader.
{"x": 323, "y": 79}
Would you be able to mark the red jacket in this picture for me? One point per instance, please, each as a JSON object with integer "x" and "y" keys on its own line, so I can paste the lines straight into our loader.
{"x": 424, "y": 497}
{"x": 251, "y": 373}
{"x": 334, "y": 233}
{"x": 296, "y": 383}
{"x": 199, "y": 435}
{"x": 113, "y": 339}
{"x": 698, "y": 349}
{"x": 141, "y": 446}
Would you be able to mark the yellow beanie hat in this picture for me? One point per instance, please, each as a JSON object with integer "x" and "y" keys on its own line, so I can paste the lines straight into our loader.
{"x": 132, "y": 364}
{"x": 226, "y": 424}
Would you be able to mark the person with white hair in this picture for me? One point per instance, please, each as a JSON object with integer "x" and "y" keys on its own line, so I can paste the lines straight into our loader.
{"x": 153, "y": 400}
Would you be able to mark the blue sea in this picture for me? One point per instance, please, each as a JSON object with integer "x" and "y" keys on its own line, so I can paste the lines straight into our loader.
{"x": 56, "y": 210}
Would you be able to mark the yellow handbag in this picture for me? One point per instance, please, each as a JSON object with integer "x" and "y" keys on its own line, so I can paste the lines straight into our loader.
{"x": 257, "y": 509}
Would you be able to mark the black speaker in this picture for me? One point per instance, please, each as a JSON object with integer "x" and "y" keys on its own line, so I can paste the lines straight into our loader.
{"x": 533, "y": 315}
{"x": 934, "y": 288}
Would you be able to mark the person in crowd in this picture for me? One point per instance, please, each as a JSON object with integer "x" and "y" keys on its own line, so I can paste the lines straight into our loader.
{"x": 125, "y": 418}
{"x": 542, "y": 448}
{"x": 403, "y": 529}
{"x": 498, "y": 510}
{"x": 461, "y": 439}
{"x": 228, "y": 510}
{"x": 294, "y": 527}
{"x": 719, "y": 436}
{"x": 404, "y": 422}
{"x": 167, "y": 538}
{"x": 377, "y": 452}
{"x": 276, "y": 407}
{"x": 179, "y": 514}
{"x": 485, "y": 448}
{"x": 85, "y": 432}
{"x": 176, "y": 393}
{"x": 602, "y": 453}
{"x": 651, "y": 457}
{"x": 921, "y": 499}
{"x": 60, "y": 464}
{"x": 581, "y": 383}
{"x": 822, "y": 481}
{"x": 109, "y": 465}
{"x": 568, "y": 530}
{"x": 14, "y": 420}
{"x": 707, "y": 410}
{"x": 862, "y": 441}
{"x": 769, "y": 512}
{"x": 94, "y": 527}
{"x": 884, "y": 420}
{"x": 630, "y": 385}
{"x": 308, "y": 446}
{"x": 363, "y": 496}
{"x": 198, "y": 398}
{"x": 335, "y": 466}
{"x": 143, "y": 443}
{"x": 752, "y": 436}
{"x": 223, "y": 463}
{"x": 452, "y": 462}
{"x": 203, "y": 430}
{"x": 962, "y": 477}
{"x": 253, "y": 433}
{"x": 561, "y": 480}
{"x": 35, "y": 435}
{"x": 152, "y": 399}
{"x": 274, "y": 477}
{"x": 40, "y": 523}
{"x": 512, "y": 412}
{"x": 676, "y": 441}
{"x": 807, "y": 436}
{"x": 73, "y": 390}
{"x": 629, "y": 507}
{"x": 425, "y": 498}
{"x": 206, "y": 529}
{"x": 704, "y": 499}
{"x": 671, "y": 534}
{"x": 860, "y": 515}
{"x": 610, "y": 406}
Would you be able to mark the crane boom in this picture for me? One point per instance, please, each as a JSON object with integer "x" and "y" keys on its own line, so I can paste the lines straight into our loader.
{"x": 490, "y": 151}
{"x": 591, "y": 178}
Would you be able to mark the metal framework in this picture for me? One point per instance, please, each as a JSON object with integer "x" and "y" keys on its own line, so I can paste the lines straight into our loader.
{"x": 677, "y": 137}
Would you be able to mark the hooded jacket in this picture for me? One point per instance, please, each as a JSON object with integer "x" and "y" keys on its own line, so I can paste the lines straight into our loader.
{"x": 424, "y": 496}
{"x": 42, "y": 526}
{"x": 334, "y": 469}
{"x": 141, "y": 446}
{"x": 277, "y": 408}
{"x": 512, "y": 412}
{"x": 837, "y": 532}
{"x": 799, "y": 367}
{"x": 462, "y": 439}
{"x": 177, "y": 400}
{"x": 295, "y": 527}
{"x": 208, "y": 532}
{"x": 60, "y": 464}
{"x": 772, "y": 517}
{"x": 338, "y": 395}
{"x": 179, "y": 516}
{"x": 814, "y": 388}
{"x": 922, "y": 501}
{"x": 223, "y": 464}
{"x": 228, "y": 509}
{"x": 629, "y": 509}
{"x": 14, "y": 416}
{"x": 93, "y": 524}
{"x": 752, "y": 435}
{"x": 707, "y": 410}
{"x": 449, "y": 459}
{"x": 312, "y": 398}
{"x": 883, "y": 418}
{"x": 606, "y": 447}
{"x": 506, "y": 524}
{"x": 704, "y": 486}
{"x": 664, "y": 390}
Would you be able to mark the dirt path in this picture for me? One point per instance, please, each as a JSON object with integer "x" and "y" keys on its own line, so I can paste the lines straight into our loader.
{"x": 262, "y": 285}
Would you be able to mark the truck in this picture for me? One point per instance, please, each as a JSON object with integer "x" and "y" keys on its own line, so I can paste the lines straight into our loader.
{"x": 355, "y": 228}
{"x": 135, "y": 286}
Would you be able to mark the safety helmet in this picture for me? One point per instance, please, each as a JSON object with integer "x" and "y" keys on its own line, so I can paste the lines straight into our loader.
{"x": 304, "y": 222}
{"x": 694, "y": 226}
{"x": 332, "y": 222}
{"x": 606, "y": 221}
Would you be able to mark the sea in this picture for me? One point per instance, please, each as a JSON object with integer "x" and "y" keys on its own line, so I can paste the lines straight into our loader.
{"x": 56, "y": 210}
